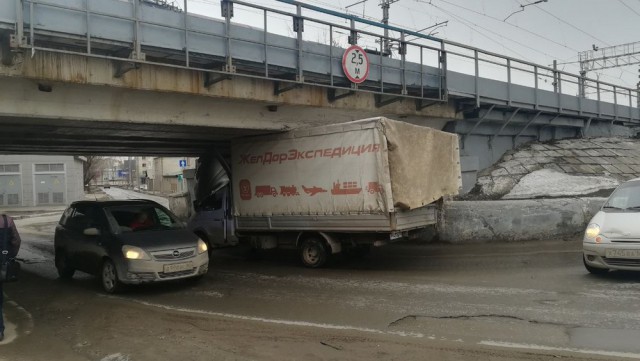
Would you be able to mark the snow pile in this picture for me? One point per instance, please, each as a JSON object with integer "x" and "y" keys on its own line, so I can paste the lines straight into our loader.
{"x": 551, "y": 183}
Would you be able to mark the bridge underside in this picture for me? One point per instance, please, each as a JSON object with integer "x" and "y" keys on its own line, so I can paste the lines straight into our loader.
{"x": 53, "y": 117}
{"x": 79, "y": 137}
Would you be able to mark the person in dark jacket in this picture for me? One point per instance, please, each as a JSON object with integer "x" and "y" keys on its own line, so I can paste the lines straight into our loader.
{"x": 14, "y": 246}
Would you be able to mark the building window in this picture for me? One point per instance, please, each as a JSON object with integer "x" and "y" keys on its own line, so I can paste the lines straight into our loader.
{"x": 43, "y": 198}
{"x": 55, "y": 167}
{"x": 9, "y": 168}
{"x": 144, "y": 165}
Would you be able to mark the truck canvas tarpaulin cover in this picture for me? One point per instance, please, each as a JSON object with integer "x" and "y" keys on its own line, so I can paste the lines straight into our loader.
{"x": 372, "y": 166}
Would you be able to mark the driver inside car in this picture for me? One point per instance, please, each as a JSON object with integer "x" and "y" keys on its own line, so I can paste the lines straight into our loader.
{"x": 142, "y": 220}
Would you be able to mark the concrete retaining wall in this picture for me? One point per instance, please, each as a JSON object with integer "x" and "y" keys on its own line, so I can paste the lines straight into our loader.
{"x": 180, "y": 205}
{"x": 485, "y": 221}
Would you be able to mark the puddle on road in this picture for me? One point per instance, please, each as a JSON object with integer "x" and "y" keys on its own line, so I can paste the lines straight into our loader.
{"x": 605, "y": 339}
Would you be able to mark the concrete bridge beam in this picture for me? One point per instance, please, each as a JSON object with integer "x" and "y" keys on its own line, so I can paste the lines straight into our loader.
{"x": 83, "y": 87}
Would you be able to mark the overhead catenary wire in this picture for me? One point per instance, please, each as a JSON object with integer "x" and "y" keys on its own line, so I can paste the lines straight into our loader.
{"x": 474, "y": 27}
{"x": 567, "y": 23}
{"x": 510, "y": 24}
{"x": 629, "y": 7}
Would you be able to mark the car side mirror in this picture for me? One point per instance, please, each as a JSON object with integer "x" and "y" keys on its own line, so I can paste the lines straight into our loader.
{"x": 91, "y": 232}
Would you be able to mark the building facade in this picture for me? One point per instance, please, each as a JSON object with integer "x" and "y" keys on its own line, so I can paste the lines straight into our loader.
{"x": 34, "y": 180}
{"x": 168, "y": 174}
{"x": 145, "y": 172}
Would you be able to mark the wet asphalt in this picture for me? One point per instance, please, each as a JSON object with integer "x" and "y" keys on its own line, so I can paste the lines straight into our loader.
{"x": 529, "y": 295}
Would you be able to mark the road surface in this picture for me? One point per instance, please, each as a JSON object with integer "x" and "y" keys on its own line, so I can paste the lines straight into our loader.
{"x": 524, "y": 301}
{"x": 119, "y": 193}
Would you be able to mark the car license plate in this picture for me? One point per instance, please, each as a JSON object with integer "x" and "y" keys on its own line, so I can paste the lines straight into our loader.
{"x": 177, "y": 267}
{"x": 623, "y": 253}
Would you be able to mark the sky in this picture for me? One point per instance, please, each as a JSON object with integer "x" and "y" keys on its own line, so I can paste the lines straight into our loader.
{"x": 542, "y": 33}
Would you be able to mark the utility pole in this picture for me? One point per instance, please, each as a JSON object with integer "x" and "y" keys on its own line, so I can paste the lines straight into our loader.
{"x": 385, "y": 5}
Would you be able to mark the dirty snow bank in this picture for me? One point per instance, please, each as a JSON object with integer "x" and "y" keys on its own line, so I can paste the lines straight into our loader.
{"x": 551, "y": 183}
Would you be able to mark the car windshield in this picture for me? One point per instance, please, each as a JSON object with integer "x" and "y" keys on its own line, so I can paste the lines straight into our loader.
{"x": 626, "y": 197}
{"x": 143, "y": 217}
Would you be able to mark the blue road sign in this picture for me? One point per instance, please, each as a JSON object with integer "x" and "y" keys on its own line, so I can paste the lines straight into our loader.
{"x": 182, "y": 163}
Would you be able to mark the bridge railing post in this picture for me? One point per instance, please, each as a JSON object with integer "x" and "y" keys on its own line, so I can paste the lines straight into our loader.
{"x": 537, "y": 86}
{"x": 227, "y": 12}
{"x": 559, "y": 87}
{"x": 422, "y": 72}
{"x": 443, "y": 75}
{"x": 31, "y": 26}
{"x": 87, "y": 9}
{"x": 265, "y": 39}
{"x": 186, "y": 33}
{"x": 331, "y": 55}
{"x": 630, "y": 104}
{"x": 555, "y": 76}
{"x": 299, "y": 28}
{"x": 19, "y": 34}
{"x": 403, "y": 60}
{"x": 137, "y": 48}
{"x": 509, "y": 102}
{"x": 477, "y": 77}
{"x": 598, "y": 97}
{"x": 615, "y": 102}
{"x": 381, "y": 66}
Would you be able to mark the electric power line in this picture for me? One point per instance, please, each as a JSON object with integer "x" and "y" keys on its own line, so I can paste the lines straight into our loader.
{"x": 628, "y": 7}
{"x": 568, "y": 23}
{"x": 513, "y": 25}
{"x": 473, "y": 28}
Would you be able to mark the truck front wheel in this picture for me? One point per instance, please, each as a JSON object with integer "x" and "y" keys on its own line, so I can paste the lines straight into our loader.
{"x": 313, "y": 253}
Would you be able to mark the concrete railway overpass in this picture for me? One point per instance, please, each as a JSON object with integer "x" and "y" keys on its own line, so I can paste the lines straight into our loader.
{"x": 129, "y": 77}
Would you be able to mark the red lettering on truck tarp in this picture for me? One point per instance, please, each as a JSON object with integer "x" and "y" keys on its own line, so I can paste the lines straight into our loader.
{"x": 374, "y": 187}
{"x": 245, "y": 190}
{"x": 312, "y": 191}
{"x": 262, "y": 191}
{"x": 295, "y": 154}
{"x": 267, "y": 157}
{"x": 289, "y": 191}
{"x": 345, "y": 188}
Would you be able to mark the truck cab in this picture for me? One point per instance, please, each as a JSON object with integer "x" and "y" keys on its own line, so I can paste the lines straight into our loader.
{"x": 213, "y": 222}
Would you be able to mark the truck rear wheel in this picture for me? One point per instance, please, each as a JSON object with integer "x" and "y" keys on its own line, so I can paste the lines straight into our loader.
{"x": 313, "y": 253}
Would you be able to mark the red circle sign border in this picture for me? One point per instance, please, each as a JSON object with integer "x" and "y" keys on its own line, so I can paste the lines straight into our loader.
{"x": 344, "y": 65}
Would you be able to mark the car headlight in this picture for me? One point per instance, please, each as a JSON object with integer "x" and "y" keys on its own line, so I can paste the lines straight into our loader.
{"x": 131, "y": 252}
{"x": 202, "y": 247}
{"x": 593, "y": 230}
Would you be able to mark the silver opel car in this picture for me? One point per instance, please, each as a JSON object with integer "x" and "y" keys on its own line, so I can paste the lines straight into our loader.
{"x": 612, "y": 238}
{"x": 127, "y": 242}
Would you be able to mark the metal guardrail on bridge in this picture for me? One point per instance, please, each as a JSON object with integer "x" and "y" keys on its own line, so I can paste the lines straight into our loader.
{"x": 426, "y": 69}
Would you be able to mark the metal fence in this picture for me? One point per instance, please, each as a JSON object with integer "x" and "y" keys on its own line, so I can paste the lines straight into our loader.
{"x": 313, "y": 65}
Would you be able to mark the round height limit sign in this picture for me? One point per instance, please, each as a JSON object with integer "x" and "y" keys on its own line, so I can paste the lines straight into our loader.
{"x": 355, "y": 64}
